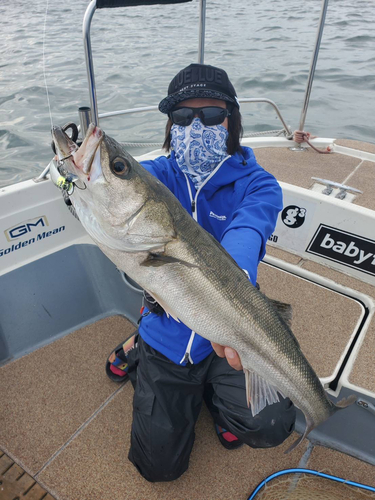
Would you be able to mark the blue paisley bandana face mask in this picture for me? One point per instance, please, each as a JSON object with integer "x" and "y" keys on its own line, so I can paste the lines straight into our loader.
{"x": 199, "y": 149}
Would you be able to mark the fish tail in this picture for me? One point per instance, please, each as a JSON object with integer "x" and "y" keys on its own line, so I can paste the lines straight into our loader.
{"x": 296, "y": 443}
{"x": 310, "y": 424}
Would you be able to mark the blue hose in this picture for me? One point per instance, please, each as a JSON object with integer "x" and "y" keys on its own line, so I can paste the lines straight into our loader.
{"x": 307, "y": 471}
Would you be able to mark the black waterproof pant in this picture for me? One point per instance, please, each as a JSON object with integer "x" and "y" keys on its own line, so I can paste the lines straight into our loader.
{"x": 166, "y": 406}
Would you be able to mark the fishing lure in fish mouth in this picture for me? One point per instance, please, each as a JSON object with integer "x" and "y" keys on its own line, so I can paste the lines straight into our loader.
{"x": 66, "y": 183}
{"x": 64, "y": 180}
{"x": 60, "y": 176}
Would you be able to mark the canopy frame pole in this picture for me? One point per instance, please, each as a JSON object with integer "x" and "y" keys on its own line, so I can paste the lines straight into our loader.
{"x": 202, "y": 30}
{"x": 313, "y": 64}
{"x": 90, "y": 11}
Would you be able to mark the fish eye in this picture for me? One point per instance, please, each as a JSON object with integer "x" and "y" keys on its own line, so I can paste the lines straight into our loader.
{"x": 120, "y": 167}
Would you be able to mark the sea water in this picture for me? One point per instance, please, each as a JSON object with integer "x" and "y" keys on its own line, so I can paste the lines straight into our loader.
{"x": 266, "y": 48}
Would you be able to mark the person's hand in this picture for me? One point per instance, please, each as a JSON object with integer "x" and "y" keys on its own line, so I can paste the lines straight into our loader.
{"x": 229, "y": 353}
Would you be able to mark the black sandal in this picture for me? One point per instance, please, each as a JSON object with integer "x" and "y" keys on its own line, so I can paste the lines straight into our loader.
{"x": 117, "y": 366}
{"x": 227, "y": 439}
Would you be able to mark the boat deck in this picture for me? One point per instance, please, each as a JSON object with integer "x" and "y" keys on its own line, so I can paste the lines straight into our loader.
{"x": 68, "y": 426}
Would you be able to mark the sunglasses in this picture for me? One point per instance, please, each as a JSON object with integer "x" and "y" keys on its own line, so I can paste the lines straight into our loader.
{"x": 208, "y": 115}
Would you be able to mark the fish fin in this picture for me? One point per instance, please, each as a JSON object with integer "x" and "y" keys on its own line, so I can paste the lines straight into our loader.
{"x": 309, "y": 427}
{"x": 247, "y": 382}
{"x": 284, "y": 310}
{"x": 159, "y": 259}
{"x": 345, "y": 402}
{"x": 167, "y": 309}
{"x": 261, "y": 393}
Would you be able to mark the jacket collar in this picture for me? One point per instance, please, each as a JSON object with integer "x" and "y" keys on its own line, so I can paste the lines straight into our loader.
{"x": 234, "y": 168}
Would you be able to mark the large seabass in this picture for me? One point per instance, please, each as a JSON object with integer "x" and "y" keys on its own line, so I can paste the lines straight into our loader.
{"x": 140, "y": 225}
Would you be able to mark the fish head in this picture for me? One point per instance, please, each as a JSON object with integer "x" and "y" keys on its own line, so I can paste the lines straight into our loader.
{"x": 105, "y": 171}
{"x": 111, "y": 188}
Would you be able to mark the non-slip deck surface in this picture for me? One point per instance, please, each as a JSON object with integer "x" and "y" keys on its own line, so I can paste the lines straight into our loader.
{"x": 70, "y": 429}
{"x": 298, "y": 168}
{"x": 47, "y": 395}
{"x": 99, "y": 455}
{"x": 363, "y": 370}
{"x": 93, "y": 457}
{"x": 359, "y": 145}
{"x": 341, "y": 465}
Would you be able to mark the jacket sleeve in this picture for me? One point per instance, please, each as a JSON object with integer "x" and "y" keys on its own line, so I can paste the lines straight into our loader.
{"x": 253, "y": 222}
{"x": 158, "y": 168}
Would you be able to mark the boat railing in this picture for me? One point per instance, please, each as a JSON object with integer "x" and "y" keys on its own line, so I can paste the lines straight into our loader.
{"x": 286, "y": 129}
{"x": 99, "y": 4}
{"x": 91, "y": 114}
{"x": 105, "y": 4}
{"x": 84, "y": 114}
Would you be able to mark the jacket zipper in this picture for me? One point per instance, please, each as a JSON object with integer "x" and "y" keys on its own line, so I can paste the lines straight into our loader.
{"x": 187, "y": 356}
{"x": 193, "y": 201}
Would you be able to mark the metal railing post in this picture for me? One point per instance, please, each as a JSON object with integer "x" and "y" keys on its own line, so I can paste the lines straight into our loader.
{"x": 313, "y": 64}
{"x": 287, "y": 130}
{"x": 90, "y": 11}
{"x": 202, "y": 30}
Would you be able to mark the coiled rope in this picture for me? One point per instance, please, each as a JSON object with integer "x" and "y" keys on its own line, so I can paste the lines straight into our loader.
{"x": 300, "y": 136}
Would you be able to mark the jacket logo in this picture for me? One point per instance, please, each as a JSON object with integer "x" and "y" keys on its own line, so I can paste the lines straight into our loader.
{"x": 346, "y": 248}
{"x": 218, "y": 217}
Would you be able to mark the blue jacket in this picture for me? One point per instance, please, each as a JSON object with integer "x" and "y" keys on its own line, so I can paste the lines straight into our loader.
{"x": 238, "y": 204}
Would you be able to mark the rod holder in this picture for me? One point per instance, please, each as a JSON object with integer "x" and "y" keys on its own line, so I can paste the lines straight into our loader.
{"x": 85, "y": 119}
